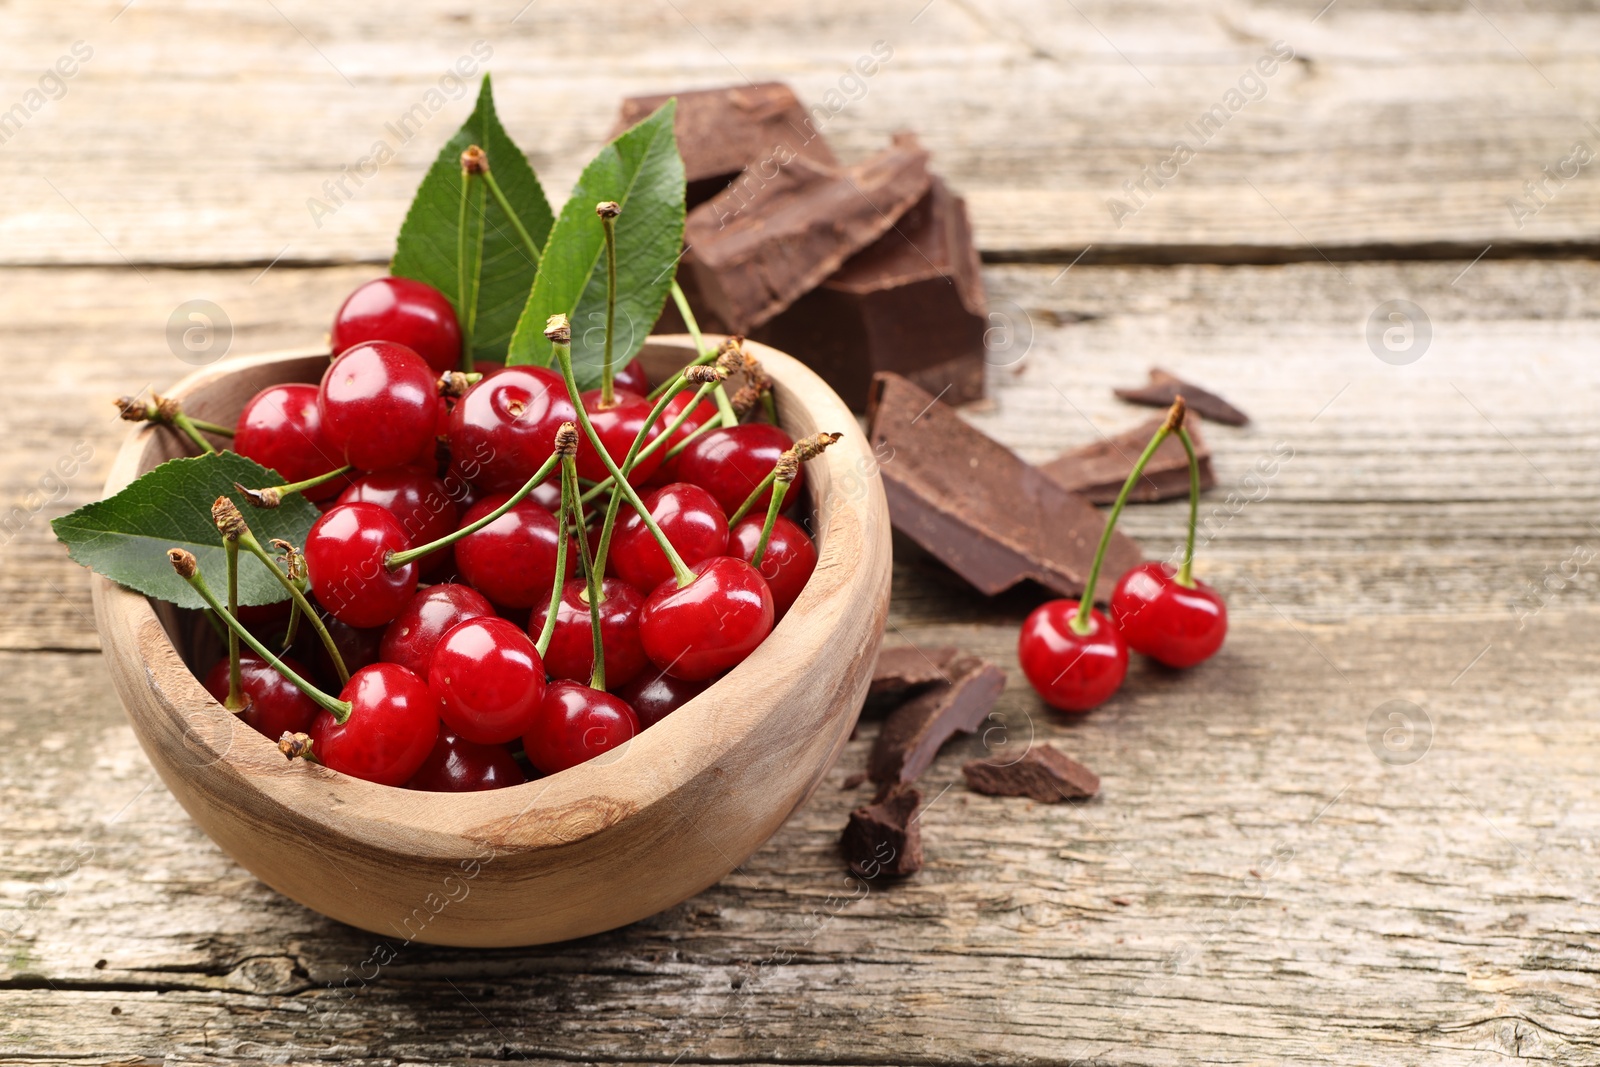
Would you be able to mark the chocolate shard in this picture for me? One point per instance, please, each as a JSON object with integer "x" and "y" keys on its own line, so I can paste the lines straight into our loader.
{"x": 977, "y": 507}
{"x": 912, "y": 302}
{"x": 884, "y": 837}
{"x": 1044, "y": 773}
{"x": 1164, "y": 388}
{"x": 722, "y": 131}
{"x": 908, "y": 667}
{"x": 779, "y": 230}
{"x": 914, "y": 732}
{"x": 1098, "y": 470}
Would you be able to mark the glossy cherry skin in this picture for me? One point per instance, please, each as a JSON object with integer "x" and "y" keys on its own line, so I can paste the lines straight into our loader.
{"x": 276, "y": 705}
{"x": 787, "y": 563}
{"x": 731, "y": 461}
{"x": 575, "y": 724}
{"x": 281, "y": 428}
{"x": 433, "y": 612}
{"x": 404, "y": 311}
{"x": 617, "y": 426}
{"x": 1071, "y": 671}
{"x": 709, "y": 625}
{"x": 689, "y": 516}
{"x": 504, "y": 428}
{"x": 393, "y": 723}
{"x": 571, "y": 651}
{"x": 458, "y": 766}
{"x": 489, "y": 680}
{"x": 512, "y": 561}
{"x": 631, "y": 377}
{"x": 345, "y": 553}
{"x": 415, "y": 496}
{"x": 380, "y": 406}
{"x": 357, "y": 648}
{"x": 656, "y": 694}
{"x": 1168, "y": 622}
{"x": 703, "y": 413}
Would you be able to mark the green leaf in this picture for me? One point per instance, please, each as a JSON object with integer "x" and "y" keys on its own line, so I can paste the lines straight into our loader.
{"x": 642, "y": 171}
{"x": 126, "y": 536}
{"x": 427, "y": 247}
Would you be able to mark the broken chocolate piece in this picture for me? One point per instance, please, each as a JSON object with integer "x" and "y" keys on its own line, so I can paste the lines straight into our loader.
{"x": 779, "y": 230}
{"x": 1099, "y": 470}
{"x": 977, "y": 507}
{"x": 908, "y": 667}
{"x": 1164, "y": 388}
{"x": 1044, "y": 773}
{"x": 883, "y": 838}
{"x": 912, "y": 302}
{"x": 722, "y": 131}
{"x": 914, "y": 732}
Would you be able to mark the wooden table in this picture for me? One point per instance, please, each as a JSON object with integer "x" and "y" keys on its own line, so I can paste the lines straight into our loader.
{"x": 1278, "y": 869}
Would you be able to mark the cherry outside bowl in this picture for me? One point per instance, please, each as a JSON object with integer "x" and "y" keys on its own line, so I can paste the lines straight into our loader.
{"x": 595, "y": 847}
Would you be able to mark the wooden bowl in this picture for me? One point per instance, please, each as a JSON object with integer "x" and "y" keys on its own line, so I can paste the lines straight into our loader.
{"x": 619, "y": 838}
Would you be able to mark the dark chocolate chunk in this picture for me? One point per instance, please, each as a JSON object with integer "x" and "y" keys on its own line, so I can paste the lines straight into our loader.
{"x": 977, "y": 507}
{"x": 912, "y": 302}
{"x": 884, "y": 837}
{"x": 908, "y": 667}
{"x": 722, "y": 131}
{"x": 1164, "y": 388}
{"x": 1044, "y": 773}
{"x": 914, "y": 732}
{"x": 1099, "y": 469}
{"x": 778, "y": 231}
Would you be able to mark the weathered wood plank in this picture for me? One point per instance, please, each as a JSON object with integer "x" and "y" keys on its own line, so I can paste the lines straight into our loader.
{"x": 199, "y": 133}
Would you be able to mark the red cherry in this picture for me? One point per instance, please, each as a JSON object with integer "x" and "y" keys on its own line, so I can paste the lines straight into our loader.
{"x": 703, "y": 413}
{"x": 489, "y": 680}
{"x": 357, "y": 647}
{"x": 692, "y": 521}
{"x": 512, "y": 561}
{"x": 281, "y": 427}
{"x": 1168, "y": 622}
{"x": 393, "y": 723}
{"x": 656, "y": 694}
{"x": 504, "y": 428}
{"x": 576, "y": 724}
{"x": 432, "y": 613}
{"x": 617, "y": 426}
{"x": 571, "y": 651}
{"x": 459, "y": 766}
{"x": 1071, "y": 671}
{"x": 787, "y": 563}
{"x": 709, "y": 625}
{"x": 631, "y": 378}
{"x": 276, "y": 704}
{"x": 345, "y": 553}
{"x": 380, "y": 406}
{"x": 731, "y": 461}
{"x": 415, "y": 496}
{"x": 404, "y": 311}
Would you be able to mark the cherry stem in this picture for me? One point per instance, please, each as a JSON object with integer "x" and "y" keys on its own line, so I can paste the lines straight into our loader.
{"x": 1080, "y": 620}
{"x": 608, "y": 222}
{"x": 635, "y": 450}
{"x": 699, "y": 432}
{"x": 755, "y": 494}
{"x": 1185, "y": 576}
{"x": 780, "y": 489}
{"x": 291, "y": 631}
{"x": 689, "y": 323}
{"x": 187, "y": 425}
{"x": 684, "y": 575}
{"x": 563, "y": 518}
{"x": 339, "y": 709}
{"x": 579, "y": 525}
{"x": 212, "y": 427}
{"x": 235, "y": 701}
{"x": 396, "y": 560}
{"x": 505, "y": 206}
{"x": 272, "y": 495}
{"x": 730, "y": 417}
{"x": 595, "y": 589}
{"x": 675, "y": 385}
{"x": 464, "y": 299}
{"x": 248, "y": 542}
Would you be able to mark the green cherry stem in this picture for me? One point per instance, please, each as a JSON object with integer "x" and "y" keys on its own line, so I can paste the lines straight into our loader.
{"x": 186, "y": 424}
{"x": 780, "y": 489}
{"x": 1174, "y": 421}
{"x": 594, "y": 589}
{"x": 248, "y": 542}
{"x": 563, "y": 519}
{"x": 676, "y": 385}
{"x": 396, "y": 560}
{"x": 189, "y": 571}
{"x": 1185, "y": 576}
{"x": 236, "y": 700}
{"x": 505, "y": 206}
{"x": 608, "y": 210}
{"x": 698, "y": 432}
{"x": 686, "y": 313}
{"x": 559, "y": 332}
{"x": 464, "y": 297}
{"x": 211, "y": 427}
{"x": 271, "y": 496}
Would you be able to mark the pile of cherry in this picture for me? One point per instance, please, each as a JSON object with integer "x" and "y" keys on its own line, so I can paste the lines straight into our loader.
{"x": 482, "y": 584}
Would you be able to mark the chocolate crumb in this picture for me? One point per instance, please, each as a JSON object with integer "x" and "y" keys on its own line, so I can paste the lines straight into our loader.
{"x": 884, "y": 838}
{"x": 1165, "y": 387}
{"x": 1044, "y": 773}
{"x": 913, "y": 732}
